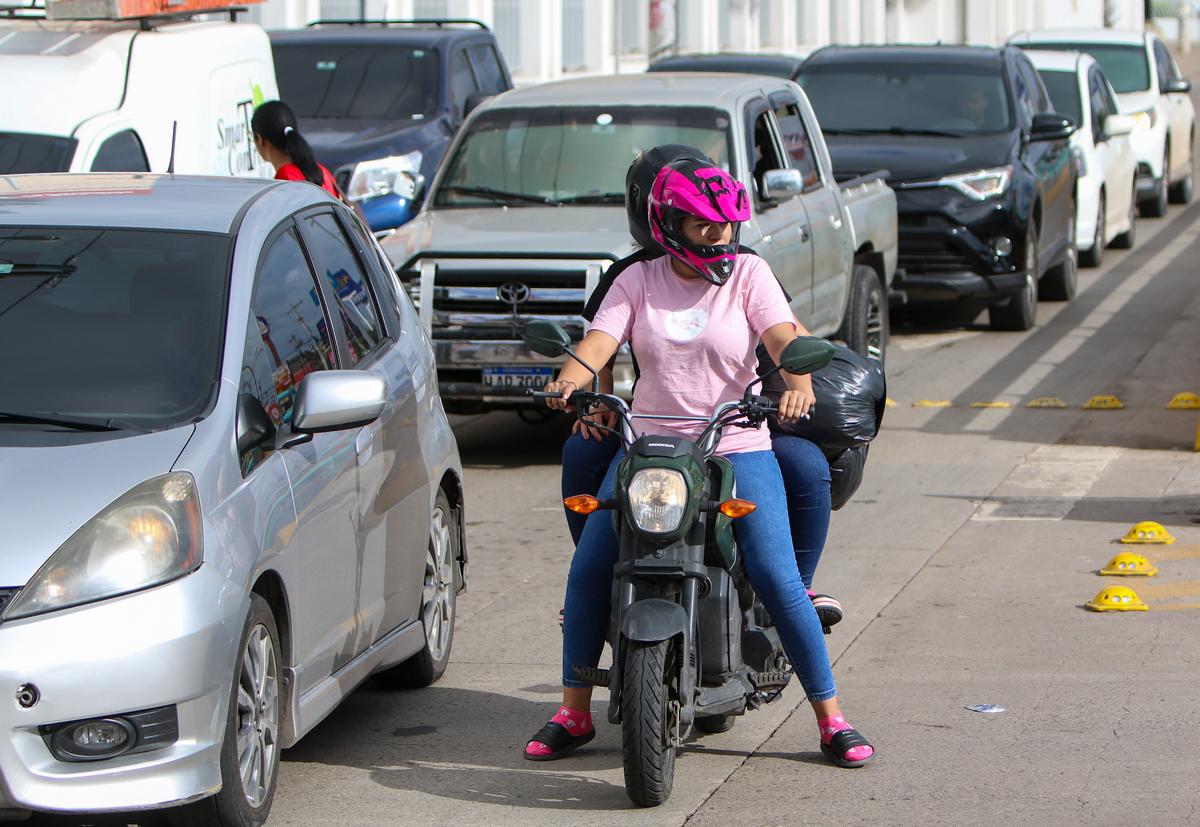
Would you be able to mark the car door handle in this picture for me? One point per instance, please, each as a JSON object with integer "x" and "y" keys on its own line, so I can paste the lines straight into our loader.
{"x": 804, "y": 233}
{"x": 836, "y": 221}
{"x": 364, "y": 443}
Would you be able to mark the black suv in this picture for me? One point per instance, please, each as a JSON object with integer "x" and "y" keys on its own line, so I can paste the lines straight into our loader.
{"x": 380, "y": 99}
{"x": 983, "y": 173}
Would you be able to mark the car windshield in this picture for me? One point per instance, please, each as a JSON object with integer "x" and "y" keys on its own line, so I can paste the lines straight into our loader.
{"x": 913, "y": 98}
{"x": 575, "y": 154}
{"x": 343, "y": 80}
{"x": 34, "y": 153}
{"x": 1064, "y": 93}
{"x": 1125, "y": 66}
{"x": 111, "y": 326}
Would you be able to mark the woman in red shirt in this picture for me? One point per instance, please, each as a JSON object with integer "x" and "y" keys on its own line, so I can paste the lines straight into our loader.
{"x": 281, "y": 145}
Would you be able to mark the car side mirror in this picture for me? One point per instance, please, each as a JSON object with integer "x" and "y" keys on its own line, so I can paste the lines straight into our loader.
{"x": 254, "y": 425}
{"x": 806, "y": 354}
{"x": 546, "y": 339}
{"x": 1115, "y": 125}
{"x": 1051, "y": 126}
{"x": 1178, "y": 86}
{"x": 334, "y": 400}
{"x": 782, "y": 184}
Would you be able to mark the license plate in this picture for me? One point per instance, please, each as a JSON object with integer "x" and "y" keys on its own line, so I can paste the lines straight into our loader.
{"x": 524, "y": 377}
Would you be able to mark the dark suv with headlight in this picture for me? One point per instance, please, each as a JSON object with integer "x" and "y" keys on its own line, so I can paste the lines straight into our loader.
{"x": 983, "y": 173}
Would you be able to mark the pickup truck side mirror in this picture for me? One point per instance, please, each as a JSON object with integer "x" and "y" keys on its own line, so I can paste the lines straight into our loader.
{"x": 781, "y": 184}
{"x": 1179, "y": 86}
{"x": 1051, "y": 126}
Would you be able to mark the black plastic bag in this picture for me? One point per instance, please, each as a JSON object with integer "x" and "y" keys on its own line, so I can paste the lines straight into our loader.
{"x": 851, "y": 396}
{"x": 846, "y": 474}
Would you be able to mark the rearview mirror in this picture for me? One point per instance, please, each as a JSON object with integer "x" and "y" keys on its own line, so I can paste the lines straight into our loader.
{"x": 782, "y": 184}
{"x": 1173, "y": 87}
{"x": 1115, "y": 125}
{"x": 806, "y": 354}
{"x": 333, "y": 400}
{"x": 1051, "y": 126}
{"x": 254, "y": 426}
{"x": 545, "y": 338}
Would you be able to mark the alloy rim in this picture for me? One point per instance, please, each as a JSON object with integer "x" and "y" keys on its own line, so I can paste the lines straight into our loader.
{"x": 258, "y": 716}
{"x": 874, "y": 326}
{"x": 438, "y": 592}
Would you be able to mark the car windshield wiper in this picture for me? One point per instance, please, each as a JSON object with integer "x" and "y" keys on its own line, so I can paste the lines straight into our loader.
{"x": 61, "y": 421}
{"x": 895, "y": 130}
{"x": 8, "y": 268}
{"x": 595, "y": 198}
{"x": 502, "y": 196}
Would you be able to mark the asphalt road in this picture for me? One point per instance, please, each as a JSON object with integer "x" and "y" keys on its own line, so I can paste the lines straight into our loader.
{"x": 963, "y": 562}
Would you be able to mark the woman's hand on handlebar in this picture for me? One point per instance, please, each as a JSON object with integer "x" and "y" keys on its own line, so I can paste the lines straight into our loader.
{"x": 606, "y": 418}
{"x": 797, "y": 400}
{"x": 564, "y": 389}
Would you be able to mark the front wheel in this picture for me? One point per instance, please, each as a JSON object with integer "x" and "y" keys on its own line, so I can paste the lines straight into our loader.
{"x": 648, "y": 722}
{"x": 865, "y": 329}
{"x": 1020, "y": 311}
{"x": 1156, "y": 205}
{"x": 1094, "y": 257}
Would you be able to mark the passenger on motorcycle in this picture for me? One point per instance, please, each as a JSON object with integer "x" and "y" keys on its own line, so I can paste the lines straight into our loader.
{"x": 697, "y": 316}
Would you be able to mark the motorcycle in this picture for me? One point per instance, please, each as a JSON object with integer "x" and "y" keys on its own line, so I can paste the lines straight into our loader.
{"x": 692, "y": 644}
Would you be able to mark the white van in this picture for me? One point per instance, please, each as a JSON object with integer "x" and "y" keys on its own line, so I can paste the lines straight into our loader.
{"x": 102, "y": 95}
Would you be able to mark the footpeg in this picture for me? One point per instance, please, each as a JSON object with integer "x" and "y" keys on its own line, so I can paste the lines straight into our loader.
{"x": 592, "y": 675}
{"x": 764, "y": 680}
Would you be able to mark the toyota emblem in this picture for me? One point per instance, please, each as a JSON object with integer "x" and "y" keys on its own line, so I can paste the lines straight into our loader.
{"x": 513, "y": 292}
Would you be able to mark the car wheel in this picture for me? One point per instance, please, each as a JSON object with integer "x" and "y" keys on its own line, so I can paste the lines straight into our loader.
{"x": 1095, "y": 256}
{"x": 250, "y": 752}
{"x": 1125, "y": 240}
{"x": 1061, "y": 281}
{"x": 439, "y": 600}
{"x": 1020, "y": 311}
{"x": 1156, "y": 205}
{"x": 866, "y": 328}
{"x": 1181, "y": 191}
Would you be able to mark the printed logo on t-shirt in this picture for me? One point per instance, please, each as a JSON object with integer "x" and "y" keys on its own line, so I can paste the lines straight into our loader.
{"x": 685, "y": 325}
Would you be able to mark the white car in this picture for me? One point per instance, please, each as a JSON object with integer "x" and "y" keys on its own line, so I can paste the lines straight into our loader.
{"x": 1106, "y": 185}
{"x": 1150, "y": 87}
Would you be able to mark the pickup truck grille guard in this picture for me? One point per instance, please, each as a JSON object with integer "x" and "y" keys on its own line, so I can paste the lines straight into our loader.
{"x": 473, "y": 307}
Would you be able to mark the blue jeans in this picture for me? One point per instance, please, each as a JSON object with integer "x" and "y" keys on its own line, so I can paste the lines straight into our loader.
{"x": 805, "y": 479}
{"x": 764, "y": 539}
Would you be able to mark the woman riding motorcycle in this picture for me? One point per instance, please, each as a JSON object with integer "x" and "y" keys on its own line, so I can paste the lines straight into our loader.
{"x": 697, "y": 316}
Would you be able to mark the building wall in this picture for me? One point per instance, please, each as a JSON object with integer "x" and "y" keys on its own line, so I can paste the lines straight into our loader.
{"x": 545, "y": 39}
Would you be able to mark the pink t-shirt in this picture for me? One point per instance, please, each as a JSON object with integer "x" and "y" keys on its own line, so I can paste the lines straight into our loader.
{"x": 694, "y": 341}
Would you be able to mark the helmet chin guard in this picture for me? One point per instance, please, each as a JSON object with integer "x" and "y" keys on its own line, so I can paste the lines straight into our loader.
{"x": 688, "y": 186}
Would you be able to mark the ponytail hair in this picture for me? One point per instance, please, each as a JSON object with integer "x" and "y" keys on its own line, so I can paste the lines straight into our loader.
{"x": 275, "y": 123}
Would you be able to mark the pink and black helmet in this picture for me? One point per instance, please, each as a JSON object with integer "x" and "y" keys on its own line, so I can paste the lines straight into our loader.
{"x": 687, "y": 186}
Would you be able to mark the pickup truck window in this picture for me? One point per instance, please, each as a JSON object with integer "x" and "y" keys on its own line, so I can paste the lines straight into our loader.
{"x": 764, "y": 152}
{"x": 569, "y": 155}
{"x": 1125, "y": 67}
{"x": 901, "y": 98}
{"x": 34, "y": 153}
{"x": 487, "y": 69}
{"x": 462, "y": 82}
{"x": 797, "y": 144}
{"x": 329, "y": 80}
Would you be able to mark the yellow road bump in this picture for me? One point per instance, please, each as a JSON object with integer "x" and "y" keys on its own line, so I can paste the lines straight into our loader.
{"x": 1103, "y": 402}
{"x": 932, "y": 403}
{"x": 1148, "y": 533}
{"x": 1129, "y": 564}
{"x": 993, "y": 404}
{"x": 1117, "y": 599}
{"x": 1046, "y": 402}
{"x": 1184, "y": 401}
{"x": 889, "y": 402}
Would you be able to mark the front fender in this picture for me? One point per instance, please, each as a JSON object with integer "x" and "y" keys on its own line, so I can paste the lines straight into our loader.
{"x": 649, "y": 621}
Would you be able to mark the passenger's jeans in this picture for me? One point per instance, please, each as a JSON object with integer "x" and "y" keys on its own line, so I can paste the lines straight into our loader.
{"x": 805, "y": 479}
{"x": 765, "y": 544}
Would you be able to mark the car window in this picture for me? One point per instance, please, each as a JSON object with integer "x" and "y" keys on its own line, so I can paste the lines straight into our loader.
{"x": 1125, "y": 66}
{"x": 336, "y": 262}
{"x": 121, "y": 152}
{"x": 35, "y": 153}
{"x": 1098, "y": 99}
{"x": 381, "y": 275}
{"x": 797, "y": 144}
{"x": 1039, "y": 101}
{"x": 1063, "y": 87}
{"x": 488, "y": 69}
{"x": 337, "y": 80}
{"x": 765, "y": 151}
{"x": 287, "y": 336}
{"x": 1165, "y": 66}
{"x": 462, "y": 82}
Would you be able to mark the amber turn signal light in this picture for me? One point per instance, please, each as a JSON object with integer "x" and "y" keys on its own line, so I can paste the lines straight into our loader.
{"x": 582, "y": 503}
{"x": 737, "y": 508}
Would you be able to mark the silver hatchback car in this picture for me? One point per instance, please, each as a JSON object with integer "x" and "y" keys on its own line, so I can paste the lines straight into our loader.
{"x": 230, "y": 490}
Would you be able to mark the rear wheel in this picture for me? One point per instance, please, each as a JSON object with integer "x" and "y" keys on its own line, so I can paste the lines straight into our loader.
{"x": 865, "y": 329}
{"x": 1125, "y": 240}
{"x": 648, "y": 721}
{"x": 1156, "y": 205}
{"x": 1181, "y": 191}
{"x": 1020, "y": 312}
{"x": 1095, "y": 256}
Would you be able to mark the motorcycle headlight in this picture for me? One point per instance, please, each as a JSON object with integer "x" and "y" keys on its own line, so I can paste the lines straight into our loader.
{"x": 1145, "y": 119}
{"x": 657, "y": 499}
{"x": 149, "y": 536}
{"x": 980, "y": 185}
{"x": 396, "y": 174}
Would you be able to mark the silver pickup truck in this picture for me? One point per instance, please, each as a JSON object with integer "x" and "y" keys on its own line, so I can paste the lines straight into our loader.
{"x": 527, "y": 212}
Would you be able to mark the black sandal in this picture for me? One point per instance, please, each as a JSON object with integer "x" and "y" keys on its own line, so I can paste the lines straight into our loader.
{"x": 561, "y": 742}
{"x": 841, "y": 743}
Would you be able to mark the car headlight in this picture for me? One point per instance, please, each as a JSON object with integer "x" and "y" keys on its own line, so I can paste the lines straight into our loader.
{"x": 980, "y": 185}
{"x": 657, "y": 499}
{"x": 394, "y": 175}
{"x": 149, "y": 536}
{"x": 1144, "y": 119}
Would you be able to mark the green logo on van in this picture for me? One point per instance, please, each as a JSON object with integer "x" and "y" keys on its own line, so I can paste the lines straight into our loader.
{"x": 256, "y": 95}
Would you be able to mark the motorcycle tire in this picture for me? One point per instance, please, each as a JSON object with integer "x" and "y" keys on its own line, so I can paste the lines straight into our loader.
{"x": 648, "y": 723}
